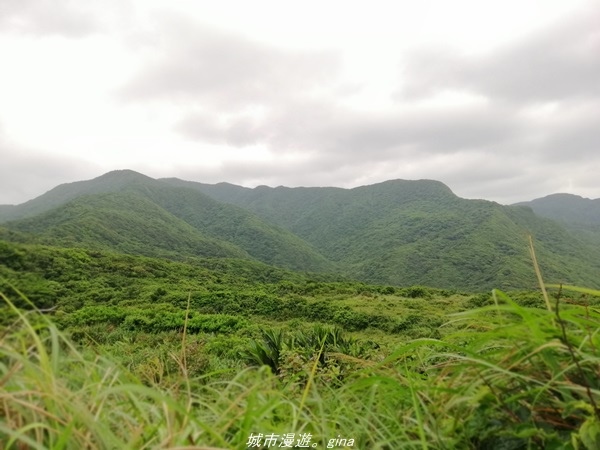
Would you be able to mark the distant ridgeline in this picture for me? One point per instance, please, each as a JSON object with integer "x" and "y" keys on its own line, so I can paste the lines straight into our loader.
{"x": 571, "y": 210}
{"x": 397, "y": 232}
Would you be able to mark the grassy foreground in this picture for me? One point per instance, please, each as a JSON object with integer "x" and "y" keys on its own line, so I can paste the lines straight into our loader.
{"x": 510, "y": 377}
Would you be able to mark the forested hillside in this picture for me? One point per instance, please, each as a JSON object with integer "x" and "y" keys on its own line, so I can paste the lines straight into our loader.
{"x": 135, "y": 214}
{"x": 397, "y": 232}
{"x": 567, "y": 208}
{"x": 138, "y": 314}
{"x": 581, "y": 216}
{"x": 102, "y": 350}
{"x": 408, "y": 232}
{"x": 113, "y": 181}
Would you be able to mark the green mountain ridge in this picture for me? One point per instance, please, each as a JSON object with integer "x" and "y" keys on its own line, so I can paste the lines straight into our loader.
{"x": 397, "y": 232}
{"x": 109, "y": 182}
{"x": 407, "y": 232}
{"x": 123, "y": 221}
{"x": 569, "y": 209}
{"x": 132, "y": 213}
{"x": 581, "y": 216}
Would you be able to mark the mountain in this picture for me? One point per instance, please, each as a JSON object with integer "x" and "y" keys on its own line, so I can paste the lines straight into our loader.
{"x": 579, "y": 215}
{"x": 406, "y": 232}
{"x": 398, "y": 232}
{"x": 109, "y": 182}
{"x": 126, "y": 222}
{"x": 132, "y": 213}
{"x": 569, "y": 209}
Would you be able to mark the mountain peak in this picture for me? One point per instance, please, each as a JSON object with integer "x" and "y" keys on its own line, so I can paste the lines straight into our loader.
{"x": 569, "y": 209}
{"x": 410, "y": 189}
{"x": 113, "y": 181}
{"x": 122, "y": 175}
{"x": 561, "y": 195}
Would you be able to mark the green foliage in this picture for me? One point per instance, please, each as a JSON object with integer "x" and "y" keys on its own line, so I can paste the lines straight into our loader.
{"x": 292, "y": 356}
{"x": 266, "y": 352}
{"x": 165, "y": 354}
{"x": 126, "y": 222}
{"x": 419, "y": 233}
{"x": 131, "y": 213}
{"x": 154, "y": 320}
{"x": 90, "y": 315}
{"x": 416, "y": 292}
{"x": 398, "y": 233}
{"x": 511, "y": 377}
{"x": 527, "y": 378}
{"x": 573, "y": 210}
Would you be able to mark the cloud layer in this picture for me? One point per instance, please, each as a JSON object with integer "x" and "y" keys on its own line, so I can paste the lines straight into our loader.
{"x": 508, "y": 123}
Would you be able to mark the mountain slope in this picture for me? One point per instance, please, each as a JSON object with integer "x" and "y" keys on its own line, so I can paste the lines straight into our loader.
{"x": 398, "y": 232}
{"x": 133, "y": 213}
{"x": 109, "y": 182}
{"x": 407, "y": 232}
{"x": 571, "y": 210}
{"x": 581, "y": 216}
{"x": 126, "y": 222}
{"x": 262, "y": 240}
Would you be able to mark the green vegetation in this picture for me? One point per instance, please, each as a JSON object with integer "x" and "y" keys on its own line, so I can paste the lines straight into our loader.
{"x": 141, "y": 314}
{"x": 418, "y": 232}
{"x": 581, "y": 216}
{"x": 131, "y": 213}
{"x": 124, "y": 222}
{"x": 129, "y": 222}
{"x": 137, "y": 352}
{"x": 398, "y": 233}
{"x": 504, "y": 375}
{"x": 569, "y": 209}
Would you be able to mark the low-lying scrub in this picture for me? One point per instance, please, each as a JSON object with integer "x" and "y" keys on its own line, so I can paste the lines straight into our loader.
{"x": 508, "y": 376}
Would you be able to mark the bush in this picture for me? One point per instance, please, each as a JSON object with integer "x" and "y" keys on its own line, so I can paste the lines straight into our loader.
{"x": 415, "y": 292}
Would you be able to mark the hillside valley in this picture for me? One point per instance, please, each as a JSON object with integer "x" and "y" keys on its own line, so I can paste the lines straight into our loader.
{"x": 143, "y": 313}
{"x": 569, "y": 209}
{"x": 237, "y": 225}
{"x": 419, "y": 232}
{"x": 393, "y": 233}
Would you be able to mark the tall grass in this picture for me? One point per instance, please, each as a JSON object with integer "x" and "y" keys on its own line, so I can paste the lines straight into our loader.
{"x": 510, "y": 377}
{"x": 513, "y": 377}
{"x": 54, "y": 396}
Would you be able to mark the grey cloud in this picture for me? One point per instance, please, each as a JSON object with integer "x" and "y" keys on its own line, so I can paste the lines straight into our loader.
{"x": 560, "y": 63}
{"x": 26, "y": 173}
{"x": 585, "y": 180}
{"x": 581, "y": 142}
{"x": 512, "y": 176}
{"x": 300, "y": 173}
{"x": 218, "y": 78}
{"x": 321, "y": 127}
{"x": 240, "y": 130}
{"x": 194, "y": 64}
{"x": 431, "y": 132}
{"x": 346, "y": 148}
{"x": 70, "y": 18}
{"x": 575, "y": 134}
{"x": 502, "y": 176}
{"x": 491, "y": 178}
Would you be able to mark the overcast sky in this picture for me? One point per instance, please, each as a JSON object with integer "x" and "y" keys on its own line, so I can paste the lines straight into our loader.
{"x": 498, "y": 99}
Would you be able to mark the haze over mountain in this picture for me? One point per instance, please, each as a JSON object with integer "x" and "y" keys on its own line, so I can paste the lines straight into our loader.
{"x": 397, "y": 232}
{"x": 567, "y": 208}
{"x": 581, "y": 216}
